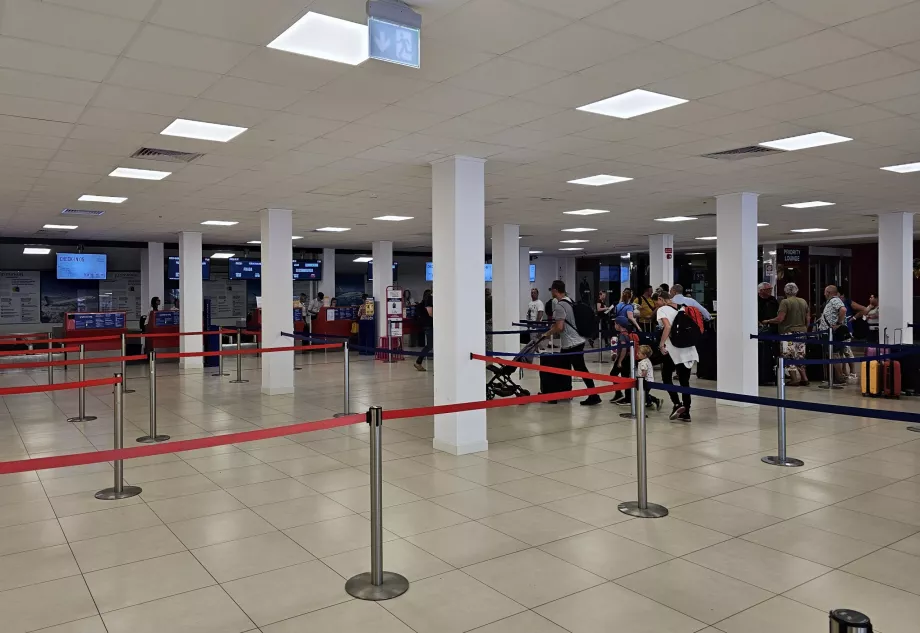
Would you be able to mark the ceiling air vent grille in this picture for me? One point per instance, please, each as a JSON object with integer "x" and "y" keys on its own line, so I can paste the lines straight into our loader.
{"x": 741, "y": 153}
{"x": 81, "y": 212}
{"x": 165, "y": 155}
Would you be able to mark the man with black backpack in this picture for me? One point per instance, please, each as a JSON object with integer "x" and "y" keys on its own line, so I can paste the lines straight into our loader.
{"x": 682, "y": 327}
{"x": 574, "y": 323}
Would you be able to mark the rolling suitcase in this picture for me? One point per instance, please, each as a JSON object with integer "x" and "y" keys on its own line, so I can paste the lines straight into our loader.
{"x": 870, "y": 379}
{"x": 555, "y": 383}
{"x": 814, "y": 351}
{"x": 891, "y": 378}
{"x": 706, "y": 367}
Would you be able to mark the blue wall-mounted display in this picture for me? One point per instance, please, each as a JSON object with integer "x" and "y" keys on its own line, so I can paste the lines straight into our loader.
{"x": 172, "y": 268}
{"x": 307, "y": 269}
{"x": 81, "y": 266}
{"x": 245, "y": 268}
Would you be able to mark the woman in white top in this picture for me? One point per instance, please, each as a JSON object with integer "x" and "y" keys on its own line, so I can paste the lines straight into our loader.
{"x": 676, "y": 359}
{"x": 870, "y": 314}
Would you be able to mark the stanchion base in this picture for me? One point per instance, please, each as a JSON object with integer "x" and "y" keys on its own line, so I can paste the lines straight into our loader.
{"x": 298, "y": 368}
{"x": 341, "y": 415}
{"x": 237, "y": 382}
{"x": 110, "y": 494}
{"x": 628, "y": 416}
{"x": 88, "y": 418}
{"x": 361, "y": 587}
{"x": 150, "y": 440}
{"x": 791, "y": 462}
{"x": 652, "y": 511}
{"x": 216, "y": 375}
{"x": 915, "y": 429}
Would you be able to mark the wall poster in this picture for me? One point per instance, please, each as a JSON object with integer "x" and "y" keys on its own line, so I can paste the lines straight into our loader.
{"x": 20, "y": 299}
{"x": 121, "y": 292}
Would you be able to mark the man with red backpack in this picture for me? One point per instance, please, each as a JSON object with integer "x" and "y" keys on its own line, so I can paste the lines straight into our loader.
{"x": 682, "y": 327}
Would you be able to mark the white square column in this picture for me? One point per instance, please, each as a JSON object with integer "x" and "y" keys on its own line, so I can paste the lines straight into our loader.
{"x": 458, "y": 230}
{"x": 568, "y": 272}
{"x": 191, "y": 300}
{"x": 383, "y": 279}
{"x": 895, "y": 273}
{"x": 661, "y": 259}
{"x": 506, "y": 288}
{"x": 277, "y": 300}
{"x": 736, "y": 279}
{"x": 327, "y": 284}
{"x": 152, "y": 276}
{"x": 524, "y": 284}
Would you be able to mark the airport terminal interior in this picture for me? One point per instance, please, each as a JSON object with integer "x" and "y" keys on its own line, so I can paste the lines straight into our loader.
{"x": 348, "y": 315}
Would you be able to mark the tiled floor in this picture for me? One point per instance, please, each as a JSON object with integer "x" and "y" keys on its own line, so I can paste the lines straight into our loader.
{"x": 523, "y": 538}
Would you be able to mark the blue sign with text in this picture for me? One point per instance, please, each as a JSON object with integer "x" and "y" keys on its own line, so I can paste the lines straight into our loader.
{"x": 394, "y": 43}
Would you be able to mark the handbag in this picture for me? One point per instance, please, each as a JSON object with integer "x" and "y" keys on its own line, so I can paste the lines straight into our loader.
{"x": 354, "y": 327}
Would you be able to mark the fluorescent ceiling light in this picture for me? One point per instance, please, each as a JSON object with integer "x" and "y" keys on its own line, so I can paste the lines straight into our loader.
{"x": 394, "y": 218}
{"x": 711, "y": 237}
{"x": 808, "y": 230}
{"x": 333, "y": 229}
{"x": 586, "y": 212}
{"x": 809, "y": 205}
{"x": 219, "y": 223}
{"x": 297, "y": 237}
{"x": 254, "y": 242}
{"x": 536, "y": 252}
{"x": 108, "y": 199}
{"x": 139, "y": 174}
{"x": 203, "y": 131}
{"x": 599, "y": 181}
{"x": 903, "y": 169}
{"x": 573, "y": 241}
{"x": 805, "y": 141}
{"x": 773, "y": 252}
{"x": 573, "y": 248}
{"x": 222, "y": 255}
{"x": 762, "y": 224}
{"x": 577, "y": 230}
{"x": 326, "y": 37}
{"x": 61, "y": 227}
{"x": 363, "y": 260}
{"x": 631, "y": 104}
{"x": 676, "y": 218}
{"x": 694, "y": 253}
{"x": 626, "y": 256}
{"x": 31, "y": 250}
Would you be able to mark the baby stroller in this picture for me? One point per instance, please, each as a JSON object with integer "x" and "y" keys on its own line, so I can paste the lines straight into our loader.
{"x": 501, "y": 384}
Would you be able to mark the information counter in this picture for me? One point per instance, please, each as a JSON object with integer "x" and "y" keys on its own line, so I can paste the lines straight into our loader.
{"x": 92, "y": 324}
{"x": 163, "y": 322}
{"x": 254, "y": 322}
{"x": 335, "y": 321}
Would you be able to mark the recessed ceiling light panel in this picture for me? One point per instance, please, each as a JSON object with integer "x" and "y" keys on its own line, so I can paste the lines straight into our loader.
{"x": 61, "y": 227}
{"x": 708, "y": 238}
{"x": 599, "y": 181}
{"x": 106, "y": 199}
{"x": 572, "y": 248}
{"x": 676, "y": 218}
{"x": 632, "y": 104}
{"x": 203, "y": 131}
{"x": 574, "y": 241}
{"x": 325, "y": 37}
{"x": 762, "y": 224}
{"x": 586, "y": 212}
{"x": 362, "y": 260}
{"x": 254, "y": 242}
{"x": 333, "y": 229}
{"x": 33, "y": 250}
{"x": 139, "y": 174}
{"x": 808, "y": 230}
{"x": 906, "y": 168}
{"x": 394, "y": 218}
{"x": 809, "y": 205}
{"x": 222, "y": 255}
{"x": 219, "y": 222}
{"x": 536, "y": 252}
{"x": 577, "y": 230}
{"x": 806, "y": 141}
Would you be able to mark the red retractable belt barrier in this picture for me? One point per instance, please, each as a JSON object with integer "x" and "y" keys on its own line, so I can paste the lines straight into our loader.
{"x": 98, "y": 382}
{"x": 26, "y": 352}
{"x": 622, "y": 383}
{"x": 261, "y": 350}
{"x": 74, "y": 361}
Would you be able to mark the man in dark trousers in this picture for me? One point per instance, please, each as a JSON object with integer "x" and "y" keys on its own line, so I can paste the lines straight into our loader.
{"x": 572, "y": 341}
{"x": 767, "y": 309}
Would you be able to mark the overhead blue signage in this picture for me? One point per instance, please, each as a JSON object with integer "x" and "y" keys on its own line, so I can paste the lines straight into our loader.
{"x": 394, "y": 43}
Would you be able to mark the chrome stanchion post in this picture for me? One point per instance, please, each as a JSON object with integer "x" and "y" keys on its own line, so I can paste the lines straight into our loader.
{"x": 50, "y": 359}
{"x": 634, "y": 393}
{"x": 849, "y": 621}
{"x": 152, "y": 436}
{"x": 782, "y": 459}
{"x": 376, "y": 584}
{"x": 220, "y": 357}
{"x": 347, "y": 378}
{"x": 119, "y": 490}
{"x": 124, "y": 365}
{"x": 239, "y": 356}
{"x": 642, "y": 508}
{"x": 81, "y": 392}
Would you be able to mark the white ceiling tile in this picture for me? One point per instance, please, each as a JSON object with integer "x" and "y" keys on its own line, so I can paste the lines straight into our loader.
{"x": 287, "y": 69}
{"x": 364, "y": 134}
{"x": 893, "y": 131}
{"x": 464, "y": 129}
{"x": 442, "y": 60}
{"x": 54, "y": 60}
{"x": 902, "y": 105}
{"x": 252, "y": 93}
{"x": 820, "y": 103}
{"x": 871, "y": 67}
{"x": 421, "y": 143}
{"x": 334, "y": 107}
{"x": 130, "y": 9}
{"x": 125, "y": 120}
{"x": 573, "y": 91}
{"x": 753, "y": 29}
{"x": 186, "y": 50}
{"x": 910, "y": 51}
{"x": 644, "y": 66}
{"x": 817, "y": 49}
{"x": 238, "y": 20}
{"x": 363, "y": 83}
{"x": 883, "y": 89}
{"x": 27, "y": 125}
{"x": 119, "y": 149}
{"x": 852, "y": 116}
{"x": 576, "y": 9}
{"x": 119, "y": 98}
{"x": 576, "y": 47}
{"x": 512, "y": 112}
{"x": 833, "y": 12}
{"x": 109, "y": 135}
{"x": 398, "y": 118}
{"x": 494, "y": 26}
{"x": 687, "y": 115}
{"x": 39, "y": 108}
{"x": 660, "y": 19}
{"x": 224, "y": 113}
{"x": 504, "y": 76}
{"x": 23, "y": 84}
{"x": 759, "y": 95}
{"x": 446, "y": 99}
{"x": 891, "y": 28}
{"x": 159, "y": 78}
{"x": 707, "y": 81}
{"x": 732, "y": 123}
{"x": 390, "y": 154}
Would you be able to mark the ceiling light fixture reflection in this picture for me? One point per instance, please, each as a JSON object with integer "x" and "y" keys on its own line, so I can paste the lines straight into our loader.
{"x": 219, "y": 222}
{"x": 362, "y": 260}
{"x": 809, "y": 205}
{"x": 139, "y": 174}
{"x": 676, "y": 218}
{"x": 809, "y": 230}
{"x": 805, "y": 141}
{"x": 325, "y": 37}
{"x": 906, "y": 168}
{"x": 34, "y": 250}
{"x": 203, "y": 131}
{"x": 632, "y": 104}
{"x": 222, "y": 255}
{"x": 577, "y": 230}
{"x": 694, "y": 253}
{"x": 394, "y": 218}
{"x": 107, "y": 199}
{"x": 586, "y": 212}
{"x": 599, "y": 181}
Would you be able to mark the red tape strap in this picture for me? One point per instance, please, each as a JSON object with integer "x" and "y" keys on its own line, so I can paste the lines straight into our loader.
{"x": 97, "y": 382}
{"x": 623, "y": 383}
{"x": 75, "y": 361}
{"x": 83, "y": 339}
{"x": 167, "y": 334}
{"x": 260, "y": 350}
{"x": 26, "y": 352}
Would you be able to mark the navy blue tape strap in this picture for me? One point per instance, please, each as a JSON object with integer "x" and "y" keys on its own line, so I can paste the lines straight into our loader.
{"x": 811, "y": 339}
{"x": 842, "y": 361}
{"x": 897, "y": 416}
{"x": 516, "y": 331}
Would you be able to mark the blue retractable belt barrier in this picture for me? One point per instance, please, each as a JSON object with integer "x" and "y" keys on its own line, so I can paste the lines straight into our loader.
{"x": 820, "y": 339}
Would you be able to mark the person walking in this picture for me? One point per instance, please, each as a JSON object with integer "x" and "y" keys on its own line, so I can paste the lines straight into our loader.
{"x": 572, "y": 342}
{"x": 626, "y": 309}
{"x": 677, "y": 296}
{"x": 424, "y": 312}
{"x": 646, "y": 308}
{"x": 535, "y": 312}
{"x": 676, "y": 359}
{"x": 792, "y": 318}
{"x": 834, "y": 317}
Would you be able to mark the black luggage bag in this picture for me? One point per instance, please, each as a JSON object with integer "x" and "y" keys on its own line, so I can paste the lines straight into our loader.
{"x": 555, "y": 383}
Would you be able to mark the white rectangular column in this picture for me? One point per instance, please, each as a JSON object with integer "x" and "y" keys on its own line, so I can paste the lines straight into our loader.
{"x": 191, "y": 301}
{"x": 524, "y": 284}
{"x": 327, "y": 285}
{"x": 152, "y": 284}
{"x": 895, "y": 270}
{"x": 277, "y": 300}
{"x": 736, "y": 278}
{"x": 458, "y": 231}
{"x": 383, "y": 279}
{"x": 568, "y": 272}
{"x": 661, "y": 259}
{"x": 506, "y": 280}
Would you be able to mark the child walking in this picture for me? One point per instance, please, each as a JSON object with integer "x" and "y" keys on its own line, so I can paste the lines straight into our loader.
{"x": 645, "y": 369}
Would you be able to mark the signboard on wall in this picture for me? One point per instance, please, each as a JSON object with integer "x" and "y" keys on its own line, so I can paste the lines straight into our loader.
{"x": 228, "y": 298}
{"x": 121, "y": 291}
{"x": 20, "y": 299}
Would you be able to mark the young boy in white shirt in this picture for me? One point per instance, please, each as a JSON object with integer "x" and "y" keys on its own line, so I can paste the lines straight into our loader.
{"x": 645, "y": 369}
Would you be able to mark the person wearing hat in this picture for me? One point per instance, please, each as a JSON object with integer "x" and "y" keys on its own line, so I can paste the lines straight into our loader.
{"x": 572, "y": 341}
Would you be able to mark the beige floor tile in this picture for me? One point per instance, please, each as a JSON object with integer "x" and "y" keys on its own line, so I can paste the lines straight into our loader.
{"x": 446, "y": 461}
{"x": 82, "y": 502}
{"x": 606, "y": 554}
{"x": 208, "y": 610}
{"x": 503, "y": 450}
{"x": 595, "y": 609}
{"x": 668, "y": 534}
{"x": 584, "y": 455}
{"x": 724, "y": 517}
{"x": 536, "y": 526}
{"x": 739, "y": 473}
{"x": 86, "y": 625}
{"x": 539, "y": 464}
{"x": 36, "y": 566}
{"x": 81, "y": 483}
{"x": 479, "y": 503}
{"x": 810, "y": 489}
{"x": 220, "y": 528}
{"x": 356, "y": 616}
{"x": 26, "y": 512}
{"x": 526, "y": 622}
{"x": 769, "y": 502}
{"x": 22, "y": 538}
{"x": 223, "y": 461}
{"x": 233, "y": 477}
{"x": 402, "y": 468}
{"x": 333, "y": 480}
{"x": 270, "y": 492}
{"x": 177, "y": 487}
{"x": 44, "y": 605}
{"x": 134, "y": 583}
{"x": 864, "y": 527}
{"x": 327, "y": 538}
{"x": 679, "y": 459}
{"x": 156, "y": 472}
{"x": 889, "y": 507}
{"x": 868, "y": 464}
{"x": 811, "y": 543}
{"x": 763, "y": 618}
{"x": 489, "y": 473}
{"x": 907, "y": 490}
{"x": 442, "y": 604}
{"x": 401, "y": 557}
{"x": 890, "y": 609}
{"x": 694, "y": 590}
{"x": 419, "y": 516}
{"x": 194, "y": 506}
{"x": 91, "y": 525}
{"x": 282, "y": 453}
{"x": 628, "y": 466}
{"x": 288, "y": 514}
{"x": 697, "y": 483}
{"x": 757, "y": 565}
{"x": 288, "y": 592}
{"x": 466, "y": 544}
{"x": 538, "y": 489}
{"x": 662, "y": 495}
{"x": 435, "y": 484}
{"x": 889, "y": 567}
{"x": 911, "y": 545}
{"x": 250, "y": 556}
{"x": 590, "y": 478}
{"x": 591, "y": 508}
{"x": 125, "y": 547}
{"x": 359, "y": 499}
{"x": 864, "y": 482}
{"x": 21, "y": 493}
